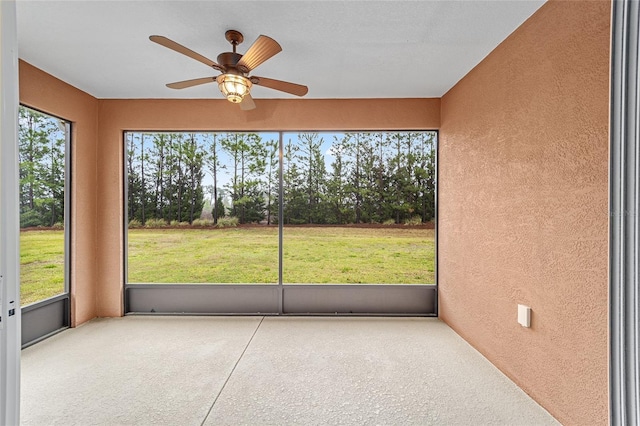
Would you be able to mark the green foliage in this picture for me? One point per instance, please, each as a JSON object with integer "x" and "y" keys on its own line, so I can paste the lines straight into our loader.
{"x": 414, "y": 220}
{"x": 30, "y": 218}
{"x": 134, "y": 223}
{"x": 215, "y": 166}
{"x": 312, "y": 183}
{"x": 219, "y": 210}
{"x": 294, "y": 221}
{"x": 228, "y": 222}
{"x": 156, "y": 223}
{"x": 389, "y": 222}
{"x": 164, "y": 173}
{"x": 271, "y": 181}
{"x": 41, "y": 142}
{"x": 58, "y": 225}
{"x": 248, "y": 164}
{"x": 203, "y": 223}
{"x": 374, "y": 177}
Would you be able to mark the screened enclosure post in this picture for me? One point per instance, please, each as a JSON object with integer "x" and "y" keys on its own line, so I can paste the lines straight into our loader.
{"x": 10, "y": 315}
{"x": 436, "y": 216}
{"x": 125, "y": 225}
{"x": 67, "y": 208}
{"x": 280, "y": 221}
{"x": 624, "y": 384}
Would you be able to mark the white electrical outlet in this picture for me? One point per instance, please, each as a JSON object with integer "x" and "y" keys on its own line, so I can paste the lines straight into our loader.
{"x": 524, "y": 315}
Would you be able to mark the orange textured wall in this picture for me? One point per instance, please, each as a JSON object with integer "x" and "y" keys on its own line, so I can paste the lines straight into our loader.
{"x": 41, "y": 91}
{"x": 116, "y": 116}
{"x": 523, "y": 199}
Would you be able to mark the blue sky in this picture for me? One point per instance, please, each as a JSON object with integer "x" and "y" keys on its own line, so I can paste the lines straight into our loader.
{"x": 225, "y": 176}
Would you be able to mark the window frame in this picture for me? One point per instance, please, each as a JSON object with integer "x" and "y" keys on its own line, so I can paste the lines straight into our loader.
{"x": 49, "y": 316}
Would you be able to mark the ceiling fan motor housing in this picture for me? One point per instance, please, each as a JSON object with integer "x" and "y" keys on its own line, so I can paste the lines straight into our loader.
{"x": 229, "y": 60}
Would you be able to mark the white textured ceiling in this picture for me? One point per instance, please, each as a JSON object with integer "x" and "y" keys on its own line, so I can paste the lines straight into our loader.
{"x": 340, "y": 49}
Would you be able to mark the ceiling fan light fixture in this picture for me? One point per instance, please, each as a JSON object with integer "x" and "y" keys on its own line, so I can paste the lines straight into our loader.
{"x": 234, "y": 87}
{"x": 235, "y": 82}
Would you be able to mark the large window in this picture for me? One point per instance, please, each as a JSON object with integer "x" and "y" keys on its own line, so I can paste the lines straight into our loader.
{"x": 356, "y": 207}
{"x": 43, "y": 144}
{"x": 202, "y": 207}
{"x": 359, "y": 208}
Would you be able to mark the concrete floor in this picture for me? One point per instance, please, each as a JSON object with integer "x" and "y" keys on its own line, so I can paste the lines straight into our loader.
{"x": 267, "y": 371}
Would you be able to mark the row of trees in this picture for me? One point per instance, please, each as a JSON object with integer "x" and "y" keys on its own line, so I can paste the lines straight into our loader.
{"x": 164, "y": 176}
{"x": 354, "y": 178}
{"x": 41, "y": 156}
{"x": 372, "y": 177}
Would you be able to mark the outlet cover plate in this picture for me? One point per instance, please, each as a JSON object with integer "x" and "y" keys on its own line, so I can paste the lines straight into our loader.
{"x": 524, "y": 315}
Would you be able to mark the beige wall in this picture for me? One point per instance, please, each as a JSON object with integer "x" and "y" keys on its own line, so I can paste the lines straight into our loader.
{"x": 116, "y": 116}
{"x": 41, "y": 91}
{"x": 523, "y": 208}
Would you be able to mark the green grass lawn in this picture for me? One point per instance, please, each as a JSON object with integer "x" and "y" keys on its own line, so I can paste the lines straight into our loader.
{"x": 311, "y": 255}
{"x": 358, "y": 255}
{"x": 247, "y": 255}
{"x": 41, "y": 265}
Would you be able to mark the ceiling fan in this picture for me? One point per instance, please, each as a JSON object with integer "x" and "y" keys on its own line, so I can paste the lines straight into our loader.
{"x": 235, "y": 82}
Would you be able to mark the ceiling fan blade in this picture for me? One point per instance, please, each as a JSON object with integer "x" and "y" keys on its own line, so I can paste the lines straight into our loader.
{"x": 261, "y": 50}
{"x": 283, "y": 86}
{"x": 163, "y": 41}
{"x": 189, "y": 83}
{"x": 247, "y": 103}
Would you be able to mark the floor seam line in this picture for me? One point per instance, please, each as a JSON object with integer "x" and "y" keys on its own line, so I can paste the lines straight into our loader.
{"x": 231, "y": 372}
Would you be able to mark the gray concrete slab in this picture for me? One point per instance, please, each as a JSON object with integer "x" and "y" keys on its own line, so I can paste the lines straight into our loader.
{"x": 131, "y": 370}
{"x": 294, "y": 370}
{"x": 368, "y": 371}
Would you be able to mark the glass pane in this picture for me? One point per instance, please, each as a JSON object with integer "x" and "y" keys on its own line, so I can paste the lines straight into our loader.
{"x": 359, "y": 208}
{"x": 42, "y": 144}
{"x": 202, "y": 207}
